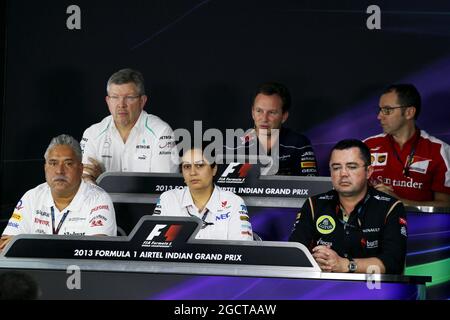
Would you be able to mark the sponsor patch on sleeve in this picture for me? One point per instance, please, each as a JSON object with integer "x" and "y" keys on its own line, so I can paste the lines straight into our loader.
{"x": 244, "y": 217}
{"x": 158, "y": 207}
{"x": 308, "y": 164}
{"x": 16, "y": 216}
{"x": 19, "y": 205}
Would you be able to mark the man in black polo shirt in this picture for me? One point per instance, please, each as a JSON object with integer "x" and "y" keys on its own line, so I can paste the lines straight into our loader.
{"x": 291, "y": 150}
{"x": 353, "y": 228}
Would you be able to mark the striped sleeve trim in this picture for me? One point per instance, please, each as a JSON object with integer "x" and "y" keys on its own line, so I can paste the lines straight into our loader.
{"x": 312, "y": 208}
{"x": 391, "y": 209}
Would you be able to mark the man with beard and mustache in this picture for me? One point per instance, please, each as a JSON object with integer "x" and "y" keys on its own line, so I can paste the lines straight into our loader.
{"x": 65, "y": 204}
{"x": 353, "y": 228}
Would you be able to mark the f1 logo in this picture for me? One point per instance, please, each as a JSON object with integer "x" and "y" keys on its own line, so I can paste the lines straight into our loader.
{"x": 230, "y": 169}
{"x": 170, "y": 234}
{"x": 242, "y": 172}
{"x": 156, "y": 231}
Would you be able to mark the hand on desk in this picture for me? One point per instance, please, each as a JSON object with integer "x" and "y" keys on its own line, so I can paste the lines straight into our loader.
{"x": 329, "y": 260}
{"x": 4, "y": 240}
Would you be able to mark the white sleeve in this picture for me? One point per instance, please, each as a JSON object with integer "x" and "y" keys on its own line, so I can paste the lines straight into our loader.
{"x": 239, "y": 227}
{"x": 20, "y": 221}
{"x": 102, "y": 217}
{"x": 164, "y": 205}
{"x": 166, "y": 154}
{"x": 158, "y": 207}
{"x": 87, "y": 147}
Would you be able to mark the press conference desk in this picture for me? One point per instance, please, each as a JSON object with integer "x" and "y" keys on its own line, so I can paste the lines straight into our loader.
{"x": 184, "y": 281}
{"x": 144, "y": 267}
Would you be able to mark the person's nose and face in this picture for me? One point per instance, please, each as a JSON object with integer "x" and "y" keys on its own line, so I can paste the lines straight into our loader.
{"x": 391, "y": 114}
{"x": 125, "y": 104}
{"x": 196, "y": 170}
{"x": 63, "y": 170}
{"x": 267, "y": 113}
{"x": 349, "y": 174}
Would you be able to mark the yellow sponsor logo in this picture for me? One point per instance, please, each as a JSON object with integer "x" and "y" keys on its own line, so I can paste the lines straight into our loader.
{"x": 298, "y": 216}
{"x": 309, "y": 164}
{"x": 325, "y": 224}
{"x": 244, "y": 217}
{"x": 17, "y": 216}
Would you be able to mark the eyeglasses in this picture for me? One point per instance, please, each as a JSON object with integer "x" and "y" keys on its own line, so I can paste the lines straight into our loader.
{"x": 388, "y": 110}
{"x": 126, "y": 99}
{"x": 349, "y": 167}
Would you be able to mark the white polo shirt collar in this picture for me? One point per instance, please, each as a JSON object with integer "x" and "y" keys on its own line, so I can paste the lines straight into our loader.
{"x": 75, "y": 204}
{"x": 211, "y": 205}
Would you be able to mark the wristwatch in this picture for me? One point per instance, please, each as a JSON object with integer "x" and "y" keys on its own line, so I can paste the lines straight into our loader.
{"x": 352, "y": 266}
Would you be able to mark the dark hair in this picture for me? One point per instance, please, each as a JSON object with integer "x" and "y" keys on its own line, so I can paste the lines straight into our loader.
{"x": 408, "y": 95}
{"x": 15, "y": 285}
{"x": 354, "y": 143}
{"x": 209, "y": 157}
{"x": 271, "y": 88}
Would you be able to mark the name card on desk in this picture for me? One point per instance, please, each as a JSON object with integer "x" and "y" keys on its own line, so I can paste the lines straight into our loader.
{"x": 243, "y": 182}
{"x": 163, "y": 239}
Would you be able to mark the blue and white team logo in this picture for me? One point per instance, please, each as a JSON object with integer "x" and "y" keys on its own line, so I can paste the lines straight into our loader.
{"x": 19, "y": 205}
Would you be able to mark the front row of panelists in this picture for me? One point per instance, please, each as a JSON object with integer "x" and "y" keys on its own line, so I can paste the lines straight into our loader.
{"x": 224, "y": 214}
{"x": 64, "y": 204}
{"x": 408, "y": 163}
{"x": 130, "y": 139}
{"x": 349, "y": 229}
{"x": 353, "y": 228}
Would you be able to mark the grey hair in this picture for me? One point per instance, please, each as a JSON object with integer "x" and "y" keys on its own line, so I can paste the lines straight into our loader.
{"x": 65, "y": 140}
{"x": 124, "y": 76}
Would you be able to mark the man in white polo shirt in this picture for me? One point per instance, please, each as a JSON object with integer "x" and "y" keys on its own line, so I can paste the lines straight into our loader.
{"x": 65, "y": 204}
{"x": 130, "y": 139}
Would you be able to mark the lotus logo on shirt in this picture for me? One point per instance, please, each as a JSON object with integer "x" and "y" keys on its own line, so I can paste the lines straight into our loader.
{"x": 325, "y": 224}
